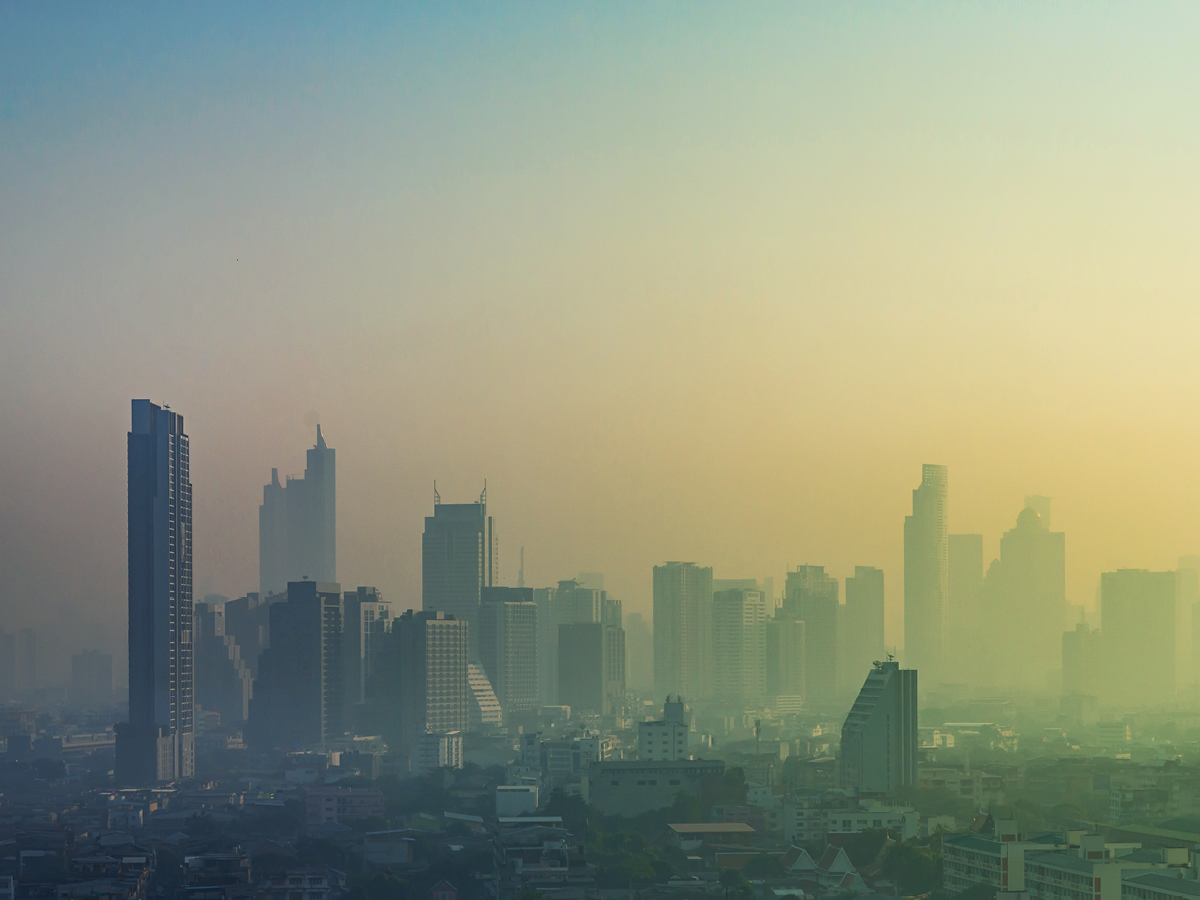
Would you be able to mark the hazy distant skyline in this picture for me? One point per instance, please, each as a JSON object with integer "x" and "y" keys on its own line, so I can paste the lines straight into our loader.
{"x": 698, "y": 283}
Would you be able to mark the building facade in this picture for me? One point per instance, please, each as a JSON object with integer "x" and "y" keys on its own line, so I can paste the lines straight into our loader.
{"x": 810, "y": 596}
{"x": 458, "y": 560}
{"x": 157, "y": 743}
{"x": 926, "y": 574}
{"x": 682, "y": 628}
{"x": 861, "y": 630}
{"x": 508, "y": 646}
{"x": 879, "y": 737}
{"x": 739, "y": 654}
{"x": 297, "y": 524}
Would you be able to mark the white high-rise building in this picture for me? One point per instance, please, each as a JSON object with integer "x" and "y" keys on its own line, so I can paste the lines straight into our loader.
{"x": 739, "y": 640}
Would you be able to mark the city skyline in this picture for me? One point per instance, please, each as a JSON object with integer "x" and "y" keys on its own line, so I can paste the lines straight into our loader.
{"x": 957, "y": 316}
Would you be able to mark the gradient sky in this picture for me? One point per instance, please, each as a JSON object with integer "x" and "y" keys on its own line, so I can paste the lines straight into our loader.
{"x": 682, "y": 281}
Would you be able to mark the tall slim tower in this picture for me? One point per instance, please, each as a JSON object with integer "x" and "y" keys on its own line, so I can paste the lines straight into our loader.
{"x": 156, "y": 743}
{"x": 926, "y": 575}
{"x": 811, "y": 596}
{"x": 458, "y": 560}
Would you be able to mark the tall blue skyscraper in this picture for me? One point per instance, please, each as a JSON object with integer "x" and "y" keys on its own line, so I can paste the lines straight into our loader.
{"x": 156, "y": 743}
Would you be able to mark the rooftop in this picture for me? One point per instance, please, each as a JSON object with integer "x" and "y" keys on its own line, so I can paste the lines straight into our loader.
{"x": 711, "y": 828}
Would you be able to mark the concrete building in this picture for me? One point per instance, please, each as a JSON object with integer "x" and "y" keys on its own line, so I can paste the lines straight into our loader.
{"x": 812, "y": 817}
{"x": 437, "y": 750}
{"x": 785, "y": 648}
{"x": 299, "y": 698}
{"x": 297, "y": 524}
{"x": 516, "y": 799}
{"x": 926, "y": 575}
{"x": 223, "y": 679}
{"x": 630, "y": 788}
{"x": 879, "y": 737}
{"x": 156, "y": 744}
{"x": 485, "y": 713}
{"x": 739, "y": 654}
{"x": 682, "y": 628}
{"x": 1137, "y": 618}
{"x": 591, "y": 666}
{"x": 861, "y": 628}
{"x": 1025, "y": 601}
{"x": 458, "y": 560}
{"x": 423, "y": 687}
{"x": 811, "y": 596}
{"x": 508, "y": 647}
{"x": 368, "y": 617}
{"x": 335, "y": 804}
{"x": 666, "y": 739}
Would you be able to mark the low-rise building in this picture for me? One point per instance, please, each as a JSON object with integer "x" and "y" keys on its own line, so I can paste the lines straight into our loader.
{"x": 337, "y": 804}
{"x": 632, "y": 787}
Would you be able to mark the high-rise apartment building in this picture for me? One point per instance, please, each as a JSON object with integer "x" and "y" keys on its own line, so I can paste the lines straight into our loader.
{"x": 1025, "y": 602}
{"x": 508, "y": 647}
{"x": 571, "y": 603}
{"x": 682, "y": 629}
{"x": 1081, "y": 661}
{"x": 156, "y": 744}
{"x": 739, "y": 647}
{"x": 367, "y": 619}
{"x": 297, "y": 524}
{"x": 926, "y": 575}
{"x": 591, "y": 666}
{"x": 299, "y": 698}
{"x": 811, "y": 596}
{"x": 1137, "y": 631}
{"x": 879, "y": 737}
{"x": 861, "y": 630}
{"x": 458, "y": 560}
{"x": 424, "y": 687}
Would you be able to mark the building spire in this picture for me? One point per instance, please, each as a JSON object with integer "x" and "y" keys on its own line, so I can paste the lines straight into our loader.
{"x": 320, "y": 440}
{"x": 437, "y": 498}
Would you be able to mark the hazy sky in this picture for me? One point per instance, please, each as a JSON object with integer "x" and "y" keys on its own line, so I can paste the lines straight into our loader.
{"x": 684, "y": 281}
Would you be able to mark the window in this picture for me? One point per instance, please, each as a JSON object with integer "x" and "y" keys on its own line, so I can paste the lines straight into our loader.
{"x": 674, "y": 782}
{"x": 614, "y": 784}
{"x": 653, "y": 783}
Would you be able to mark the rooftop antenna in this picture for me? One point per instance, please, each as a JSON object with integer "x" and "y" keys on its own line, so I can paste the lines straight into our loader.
{"x": 437, "y": 498}
{"x": 521, "y": 571}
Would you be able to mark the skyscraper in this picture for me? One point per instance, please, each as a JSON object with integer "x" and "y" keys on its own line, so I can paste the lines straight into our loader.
{"x": 862, "y": 621}
{"x": 156, "y": 744}
{"x": 682, "y": 626}
{"x": 811, "y": 596}
{"x": 423, "y": 686}
{"x": 297, "y": 524}
{"x": 739, "y": 654}
{"x": 926, "y": 575}
{"x": 591, "y": 666}
{"x": 367, "y": 618}
{"x": 879, "y": 737}
{"x": 1026, "y": 603}
{"x": 508, "y": 647}
{"x": 785, "y": 646}
{"x": 299, "y": 697}
{"x": 458, "y": 560}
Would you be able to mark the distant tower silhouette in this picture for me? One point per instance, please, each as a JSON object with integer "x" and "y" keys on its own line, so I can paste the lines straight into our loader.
{"x": 926, "y": 575}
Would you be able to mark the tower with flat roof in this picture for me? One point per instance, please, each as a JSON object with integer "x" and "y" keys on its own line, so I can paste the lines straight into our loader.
{"x": 156, "y": 744}
{"x": 926, "y": 574}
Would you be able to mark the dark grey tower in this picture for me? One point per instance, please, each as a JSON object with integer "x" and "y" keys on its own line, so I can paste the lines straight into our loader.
{"x": 272, "y": 539}
{"x": 156, "y": 743}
